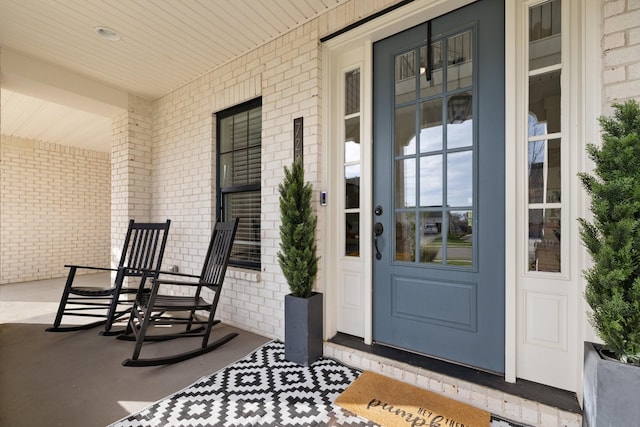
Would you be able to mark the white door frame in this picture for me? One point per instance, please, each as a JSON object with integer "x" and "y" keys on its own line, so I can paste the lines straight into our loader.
{"x": 585, "y": 107}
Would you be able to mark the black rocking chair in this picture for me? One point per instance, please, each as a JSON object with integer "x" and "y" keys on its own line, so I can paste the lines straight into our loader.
{"x": 179, "y": 313}
{"x": 141, "y": 256}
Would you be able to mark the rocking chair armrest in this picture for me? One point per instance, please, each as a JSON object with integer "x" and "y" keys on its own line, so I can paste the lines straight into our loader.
{"x": 174, "y": 273}
{"x": 88, "y": 267}
{"x": 176, "y": 282}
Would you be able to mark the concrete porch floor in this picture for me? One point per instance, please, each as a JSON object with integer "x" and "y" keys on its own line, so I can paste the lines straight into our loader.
{"x": 76, "y": 378}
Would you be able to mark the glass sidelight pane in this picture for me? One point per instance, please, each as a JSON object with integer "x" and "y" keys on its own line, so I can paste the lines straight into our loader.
{"x": 405, "y": 77}
{"x": 431, "y": 180}
{"x": 352, "y": 238}
{"x": 460, "y": 179}
{"x": 352, "y": 140}
{"x": 352, "y": 92}
{"x": 405, "y": 183}
{"x": 405, "y": 236}
{"x": 460, "y": 239}
{"x": 459, "y": 61}
{"x": 544, "y": 172}
{"x": 544, "y": 240}
{"x": 545, "y": 34}
{"x": 460, "y": 120}
{"x": 431, "y": 125}
{"x": 544, "y": 102}
{"x": 352, "y": 186}
{"x": 405, "y": 131}
{"x": 434, "y": 85}
{"x": 431, "y": 237}
{"x": 554, "y": 173}
{"x": 536, "y": 155}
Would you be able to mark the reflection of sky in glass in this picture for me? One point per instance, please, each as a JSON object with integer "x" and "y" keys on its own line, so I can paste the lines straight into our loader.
{"x": 409, "y": 182}
{"x": 459, "y": 174}
{"x": 351, "y": 151}
{"x": 460, "y": 134}
{"x": 430, "y": 139}
{"x": 431, "y": 181}
{"x": 352, "y": 171}
{"x": 535, "y": 127}
{"x": 460, "y": 179}
{"x": 536, "y": 152}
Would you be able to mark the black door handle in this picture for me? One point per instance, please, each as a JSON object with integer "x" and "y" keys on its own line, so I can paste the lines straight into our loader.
{"x": 377, "y": 231}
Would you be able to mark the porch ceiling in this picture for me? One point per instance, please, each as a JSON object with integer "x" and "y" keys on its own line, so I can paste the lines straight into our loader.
{"x": 163, "y": 45}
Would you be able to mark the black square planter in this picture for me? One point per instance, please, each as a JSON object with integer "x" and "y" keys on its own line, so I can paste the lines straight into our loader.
{"x": 303, "y": 328}
{"x": 610, "y": 390}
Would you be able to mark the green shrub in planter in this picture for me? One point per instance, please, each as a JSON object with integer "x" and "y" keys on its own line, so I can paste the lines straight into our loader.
{"x": 297, "y": 255}
{"x": 613, "y": 237}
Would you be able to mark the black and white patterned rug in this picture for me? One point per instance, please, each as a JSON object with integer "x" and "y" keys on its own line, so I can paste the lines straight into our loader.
{"x": 261, "y": 389}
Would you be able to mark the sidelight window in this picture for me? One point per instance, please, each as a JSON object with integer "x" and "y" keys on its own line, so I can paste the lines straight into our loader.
{"x": 545, "y": 142}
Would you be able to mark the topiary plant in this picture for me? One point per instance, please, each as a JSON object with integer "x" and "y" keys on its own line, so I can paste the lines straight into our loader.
{"x": 297, "y": 255}
{"x": 613, "y": 237}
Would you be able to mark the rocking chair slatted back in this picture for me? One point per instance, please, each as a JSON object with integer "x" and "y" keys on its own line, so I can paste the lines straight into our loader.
{"x": 142, "y": 252}
{"x": 175, "y": 312}
{"x": 218, "y": 254}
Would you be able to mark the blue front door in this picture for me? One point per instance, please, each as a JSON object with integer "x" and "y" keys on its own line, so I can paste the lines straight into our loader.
{"x": 439, "y": 187}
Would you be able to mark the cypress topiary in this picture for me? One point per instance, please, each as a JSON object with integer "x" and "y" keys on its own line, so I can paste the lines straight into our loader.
{"x": 613, "y": 237}
{"x": 297, "y": 255}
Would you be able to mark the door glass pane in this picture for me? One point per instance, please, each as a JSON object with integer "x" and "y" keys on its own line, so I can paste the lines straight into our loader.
{"x": 433, "y": 86}
{"x": 405, "y": 188}
{"x": 405, "y": 236}
{"x": 460, "y": 120}
{"x": 544, "y": 101}
{"x": 352, "y": 92}
{"x": 405, "y": 70}
{"x": 352, "y": 186}
{"x": 431, "y": 180}
{"x": 460, "y": 179}
{"x": 459, "y": 61}
{"x": 431, "y": 237}
{"x": 405, "y": 130}
{"x": 352, "y": 140}
{"x": 352, "y": 238}
{"x": 460, "y": 239}
{"x": 431, "y": 125}
{"x": 544, "y": 240}
{"x": 545, "y": 34}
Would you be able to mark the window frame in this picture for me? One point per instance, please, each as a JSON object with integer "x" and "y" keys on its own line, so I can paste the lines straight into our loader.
{"x": 221, "y": 192}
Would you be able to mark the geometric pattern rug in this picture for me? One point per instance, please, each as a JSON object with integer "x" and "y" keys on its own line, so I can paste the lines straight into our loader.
{"x": 261, "y": 390}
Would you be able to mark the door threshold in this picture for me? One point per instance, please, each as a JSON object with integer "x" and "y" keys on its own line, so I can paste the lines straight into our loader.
{"x": 561, "y": 399}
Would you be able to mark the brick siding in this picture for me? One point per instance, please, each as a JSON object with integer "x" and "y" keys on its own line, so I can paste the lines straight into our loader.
{"x": 55, "y": 209}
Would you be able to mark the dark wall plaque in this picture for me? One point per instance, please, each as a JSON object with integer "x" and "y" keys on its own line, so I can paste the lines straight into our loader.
{"x": 297, "y": 138}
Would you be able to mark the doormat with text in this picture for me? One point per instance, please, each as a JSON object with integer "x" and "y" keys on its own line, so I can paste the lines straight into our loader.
{"x": 390, "y": 402}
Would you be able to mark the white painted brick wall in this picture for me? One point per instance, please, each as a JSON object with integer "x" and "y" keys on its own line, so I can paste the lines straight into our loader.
{"x": 131, "y": 171}
{"x": 621, "y": 51}
{"x": 55, "y": 209}
{"x": 285, "y": 72}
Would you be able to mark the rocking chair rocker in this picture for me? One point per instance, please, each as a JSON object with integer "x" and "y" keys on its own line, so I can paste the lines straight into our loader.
{"x": 179, "y": 312}
{"x": 141, "y": 256}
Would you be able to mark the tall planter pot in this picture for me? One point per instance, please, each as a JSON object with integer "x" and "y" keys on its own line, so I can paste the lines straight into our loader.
{"x": 610, "y": 393}
{"x": 303, "y": 328}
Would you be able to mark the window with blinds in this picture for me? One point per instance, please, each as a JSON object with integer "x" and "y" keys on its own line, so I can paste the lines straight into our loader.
{"x": 239, "y": 136}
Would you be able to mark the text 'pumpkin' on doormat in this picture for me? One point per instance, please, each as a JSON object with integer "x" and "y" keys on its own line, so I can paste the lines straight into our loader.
{"x": 389, "y": 402}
